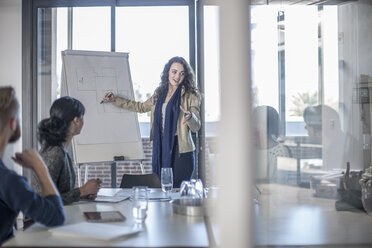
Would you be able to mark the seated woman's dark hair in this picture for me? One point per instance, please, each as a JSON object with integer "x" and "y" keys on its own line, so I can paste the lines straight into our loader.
{"x": 267, "y": 115}
{"x": 53, "y": 131}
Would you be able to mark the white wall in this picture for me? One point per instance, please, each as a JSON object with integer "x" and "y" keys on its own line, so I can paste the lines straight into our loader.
{"x": 11, "y": 59}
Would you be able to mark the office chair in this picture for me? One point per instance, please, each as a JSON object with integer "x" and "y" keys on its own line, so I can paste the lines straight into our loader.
{"x": 149, "y": 180}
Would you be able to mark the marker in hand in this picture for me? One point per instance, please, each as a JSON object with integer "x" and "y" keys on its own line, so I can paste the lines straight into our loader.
{"x": 107, "y": 96}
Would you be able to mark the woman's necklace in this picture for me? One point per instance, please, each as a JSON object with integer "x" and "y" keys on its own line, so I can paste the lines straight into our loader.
{"x": 170, "y": 93}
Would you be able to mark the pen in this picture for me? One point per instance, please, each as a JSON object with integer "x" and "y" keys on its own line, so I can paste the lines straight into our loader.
{"x": 109, "y": 95}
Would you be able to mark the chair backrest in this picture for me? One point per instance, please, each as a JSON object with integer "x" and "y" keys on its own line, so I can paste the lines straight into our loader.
{"x": 149, "y": 180}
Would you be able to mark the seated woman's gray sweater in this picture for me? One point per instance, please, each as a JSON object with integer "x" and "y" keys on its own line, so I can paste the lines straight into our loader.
{"x": 62, "y": 172}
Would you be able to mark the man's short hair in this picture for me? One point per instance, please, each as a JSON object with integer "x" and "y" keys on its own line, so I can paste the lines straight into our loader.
{"x": 8, "y": 105}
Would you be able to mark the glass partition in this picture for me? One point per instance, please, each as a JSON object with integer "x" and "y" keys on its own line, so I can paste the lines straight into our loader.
{"x": 305, "y": 136}
{"x": 311, "y": 76}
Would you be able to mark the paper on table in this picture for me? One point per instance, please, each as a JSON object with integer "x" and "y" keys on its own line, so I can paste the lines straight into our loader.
{"x": 95, "y": 230}
{"x": 124, "y": 192}
{"x": 109, "y": 191}
{"x": 104, "y": 198}
{"x": 110, "y": 195}
{"x": 153, "y": 194}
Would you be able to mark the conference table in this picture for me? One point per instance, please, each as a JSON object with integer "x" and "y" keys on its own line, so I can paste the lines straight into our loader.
{"x": 162, "y": 227}
{"x": 283, "y": 216}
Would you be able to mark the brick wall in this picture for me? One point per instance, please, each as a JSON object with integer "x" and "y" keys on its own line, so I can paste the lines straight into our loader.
{"x": 103, "y": 170}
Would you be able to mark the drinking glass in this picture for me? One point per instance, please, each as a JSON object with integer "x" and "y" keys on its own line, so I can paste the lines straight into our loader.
{"x": 166, "y": 180}
{"x": 199, "y": 189}
{"x": 139, "y": 203}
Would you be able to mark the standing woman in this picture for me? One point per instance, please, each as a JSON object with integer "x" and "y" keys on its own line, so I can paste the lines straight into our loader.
{"x": 55, "y": 134}
{"x": 174, "y": 107}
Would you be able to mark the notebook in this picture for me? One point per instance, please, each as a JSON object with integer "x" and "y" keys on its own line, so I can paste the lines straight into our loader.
{"x": 100, "y": 231}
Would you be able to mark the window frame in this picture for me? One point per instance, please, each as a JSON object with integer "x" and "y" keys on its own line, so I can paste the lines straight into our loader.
{"x": 29, "y": 56}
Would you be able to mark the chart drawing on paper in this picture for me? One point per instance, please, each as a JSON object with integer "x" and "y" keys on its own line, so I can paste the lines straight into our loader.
{"x": 88, "y": 76}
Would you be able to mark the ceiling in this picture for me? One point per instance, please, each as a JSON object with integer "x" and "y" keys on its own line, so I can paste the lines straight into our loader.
{"x": 300, "y": 2}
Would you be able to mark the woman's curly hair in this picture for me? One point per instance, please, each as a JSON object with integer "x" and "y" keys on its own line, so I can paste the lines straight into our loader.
{"x": 188, "y": 83}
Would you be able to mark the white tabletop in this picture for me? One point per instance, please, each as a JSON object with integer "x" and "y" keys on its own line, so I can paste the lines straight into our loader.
{"x": 292, "y": 216}
{"x": 162, "y": 228}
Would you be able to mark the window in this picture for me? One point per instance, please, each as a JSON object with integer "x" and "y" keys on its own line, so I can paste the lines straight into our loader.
{"x": 211, "y": 64}
{"x": 86, "y": 31}
{"x": 91, "y": 28}
{"x": 150, "y": 44}
{"x": 211, "y": 88}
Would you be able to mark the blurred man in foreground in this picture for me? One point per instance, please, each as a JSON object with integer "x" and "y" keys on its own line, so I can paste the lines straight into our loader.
{"x": 16, "y": 195}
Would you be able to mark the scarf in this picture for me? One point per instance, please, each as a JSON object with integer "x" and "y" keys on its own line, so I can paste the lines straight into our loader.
{"x": 163, "y": 142}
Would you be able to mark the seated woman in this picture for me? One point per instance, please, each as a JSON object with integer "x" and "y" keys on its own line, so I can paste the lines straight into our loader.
{"x": 268, "y": 148}
{"x": 55, "y": 134}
